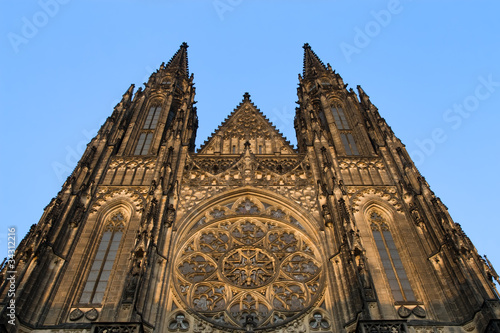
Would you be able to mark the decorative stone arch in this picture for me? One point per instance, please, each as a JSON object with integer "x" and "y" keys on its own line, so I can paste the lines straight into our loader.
{"x": 383, "y": 195}
{"x": 248, "y": 256}
{"x": 380, "y": 206}
{"x": 108, "y": 197}
{"x": 111, "y": 207}
{"x": 308, "y": 222}
{"x": 156, "y": 99}
{"x": 334, "y": 101}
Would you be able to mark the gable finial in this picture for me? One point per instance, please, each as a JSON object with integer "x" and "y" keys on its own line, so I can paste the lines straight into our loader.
{"x": 246, "y": 96}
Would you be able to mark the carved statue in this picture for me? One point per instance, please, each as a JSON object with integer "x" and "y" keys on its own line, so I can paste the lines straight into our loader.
{"x": 169, "y": 215}
{"x": 327, "y": 215}
{"x": 363, "y": 274}
{"x": 133, "y": 282}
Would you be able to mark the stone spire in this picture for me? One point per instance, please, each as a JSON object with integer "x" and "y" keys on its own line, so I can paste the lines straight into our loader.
{"x": 179, "y": 61}
{"x": 312, "y": 64}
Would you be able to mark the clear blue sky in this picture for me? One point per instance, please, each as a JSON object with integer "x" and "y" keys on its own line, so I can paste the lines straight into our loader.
{"x": 431, "y": 67}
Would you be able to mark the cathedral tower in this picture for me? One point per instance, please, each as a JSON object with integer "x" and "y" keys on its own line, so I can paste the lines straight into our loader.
{"x": 248, "y": 234}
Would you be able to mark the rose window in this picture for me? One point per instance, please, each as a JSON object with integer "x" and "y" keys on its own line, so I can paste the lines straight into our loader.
{"x": 248, "y": 268}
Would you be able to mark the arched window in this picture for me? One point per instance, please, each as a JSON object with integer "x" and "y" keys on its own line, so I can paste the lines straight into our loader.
{"x": 93, "y": 293}
{"x": 152, "y": 118}
{"x": 146, "y": 135}
{"x": 349, "y": 144}
{"x": 340, "y": 119}
{"x": 345, "y": 131}
{"x": 393, "y": 266}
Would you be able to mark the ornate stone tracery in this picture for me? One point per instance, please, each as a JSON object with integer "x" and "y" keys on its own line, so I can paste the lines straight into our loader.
{"x": 246, "y": 267}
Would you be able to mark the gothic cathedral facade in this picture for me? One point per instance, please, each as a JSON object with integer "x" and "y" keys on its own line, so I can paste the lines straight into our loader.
{"x": 249, "y": 233}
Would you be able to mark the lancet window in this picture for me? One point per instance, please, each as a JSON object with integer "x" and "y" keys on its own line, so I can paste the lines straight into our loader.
{"x": 146, "y": 135}
{"x": 152, "y": 118}
{"x": 93, "y": 293}
{"x": 340, "y": 119}
{"x": 391, "y": 262}
{"x": 345, "y": 131}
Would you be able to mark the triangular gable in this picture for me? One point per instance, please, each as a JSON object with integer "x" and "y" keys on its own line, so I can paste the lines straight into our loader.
{"x": 246, "y": 123}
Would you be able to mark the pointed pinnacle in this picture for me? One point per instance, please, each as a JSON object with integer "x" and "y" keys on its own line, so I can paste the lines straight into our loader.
{"x": 180, "y": 60}
{"x": 312, "y": 64}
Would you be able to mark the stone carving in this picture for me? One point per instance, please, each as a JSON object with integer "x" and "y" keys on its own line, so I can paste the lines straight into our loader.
{"x": 115, "y": 328}
{"x": 238, "y": 208}
{"x": 134, "y": 170}
{"x": 382, "y": 326}
{"x": 179, "y": 323}
{"x": 106, "y": 194}
{"x": 169, "y": 216}
{"x": 327, "y": 215}
{"x": 415, "y": 214}
{"x": 245, "y": 123}
{"x": 361, "y": 162}
{"x": 76, "y": 314}
{"x": 419, "y": 311}
{"x": 293, "y": 179}
{"x": 248, "y": 205}
{"x": 317, "y": 321}
{"x": 296, "y": 327}
{"x": 404, "y": 312}
{"x": 78, "y": 211}
{"x": 428, "y": 329}
{"x": 248, "y": 266}
{"x": 386, "y": 193}
{"x": 367, "y": 171}
{"x": 133, "y": 281}
{"x": 92, "y": 314}
{"x": 363, "y": 273}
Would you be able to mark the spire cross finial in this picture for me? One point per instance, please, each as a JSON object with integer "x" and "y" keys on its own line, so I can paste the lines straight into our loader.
{"x": 306, "y": 46}
{"x": 184, "y": 45}
{"x": 246, "y": 96}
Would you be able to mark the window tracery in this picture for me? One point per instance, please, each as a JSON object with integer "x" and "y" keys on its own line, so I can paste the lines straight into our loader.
{"x": 240, "y": 267}
{"x": 318, "y": 321}
{"x": 247, "y": 205}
